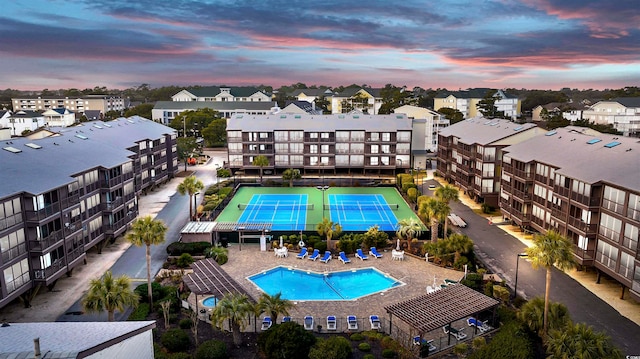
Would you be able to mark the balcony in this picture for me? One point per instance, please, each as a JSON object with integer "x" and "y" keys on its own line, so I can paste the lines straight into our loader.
{"x": 111, "y": 206}
{"x": 561, "y": 191}
{"x": 583, "y": 256}
{"x": 75, "y": 254}
{"x": 580, "y": 225}
{"x": 519, "y": 217}
{"x": 524, "y": 175}
{"x": 586, "y": 200}
{"x": 44, "y": 243}
{"x": 49, "y": 272}
{"x": 48, "y": 211}
{"x": 521, "y": 195}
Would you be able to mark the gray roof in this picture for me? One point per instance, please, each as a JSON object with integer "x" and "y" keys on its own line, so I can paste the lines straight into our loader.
{"x": 66, "y": 339}
{"x": 483, "y": 131}
{"x": 212, "y": 91}
{"x": 280, "y": 121}
{"x": 570, "y": 151}
{"x": 470, "y": 93}
{"x": 311, "y": 92}
{"x": 215, "y": 105}
{"x": 628, "y": 101}
{"x": 351, "y": 91}
{"x": 61, "y": 156}
{"x": 26, "y": 114}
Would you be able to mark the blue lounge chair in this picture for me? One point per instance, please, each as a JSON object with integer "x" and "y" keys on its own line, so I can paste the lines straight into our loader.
{"x": 308, "y": 322}
{"x": 352, "y": 322}
{"x": 374, "y": 252}
{"x": 419, "y": 341}
{"x": 302, "y": 254}
{"x": 286, "y": 319}
{"x": 331, "y": 322}
{"x": 375, "y": 322}
{"x": 361, "y": 255}
{"x": 344, "y": 258}
{"x": 315, "y": 255}
{"x": 326, "y": 258}
{"x": 266, "y": 323}
{"x": 481, "y": 326}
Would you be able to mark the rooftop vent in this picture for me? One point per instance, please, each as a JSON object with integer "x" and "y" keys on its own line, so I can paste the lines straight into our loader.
{"x": 33, "y": 145}
{"x": 107, "y": 125}
{"x": 98, "y": 127}
{"x": 12, "y": 149}
{"x": 82, "y": 137}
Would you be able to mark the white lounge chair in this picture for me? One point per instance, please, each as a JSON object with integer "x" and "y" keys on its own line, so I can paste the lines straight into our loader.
{"x": 308, "y": 322}
{"x": 326, "y": 258}
{"x": 266, "y": 323}
{"x": 286, "y": 319}
{"x": 375, "y": 322}
{"x": 361, "y": 255}
{"x": 344, "y": 259}
{"x": 331, "y": 322}
{"x": 374, "y": 252}
{"x": 419, "y": 341}
{"x": 315, "y": 255}
{"x": 457, "y": 333}
{"x": 482, "y": 326}
{"x": 352, "y": 322}
{"x": 303, "y": 253}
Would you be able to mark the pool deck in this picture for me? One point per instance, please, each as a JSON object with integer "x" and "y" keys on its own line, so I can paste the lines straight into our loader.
{"x": 414, "y": 272}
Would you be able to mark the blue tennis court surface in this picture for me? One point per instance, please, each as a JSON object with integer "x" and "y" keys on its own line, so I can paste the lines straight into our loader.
{"x": 359, "y": 212}
{"x": 284, "y": 211}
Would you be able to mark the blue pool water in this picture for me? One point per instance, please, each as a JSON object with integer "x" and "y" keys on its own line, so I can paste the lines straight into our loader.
{"x": 209, "y": 302}
{"x": 295, "y": 284}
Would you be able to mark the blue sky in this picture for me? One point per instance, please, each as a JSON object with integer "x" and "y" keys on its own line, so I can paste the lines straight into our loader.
{"x": 535, "y": 44}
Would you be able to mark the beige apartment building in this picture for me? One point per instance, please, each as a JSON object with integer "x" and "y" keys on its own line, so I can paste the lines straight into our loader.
{"x": 102, "y": 103}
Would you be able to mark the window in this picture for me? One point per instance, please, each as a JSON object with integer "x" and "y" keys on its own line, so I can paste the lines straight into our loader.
{"x": 583, "y": 242}
{"x": 10, "y": 213}
{"x": 374, "y": 148}
{"x": 374, "y": 136}
{"x": 313, "y": 149}
{"x": 626, "y": 265}
{"x": 607, "y": 254}
{"x": 357, "y": 136}
{"x": 342, "y": 148}
{"x": 282, "y": 148}
{"x": 296, "y": 148}
{"x": 613, "y": 199}
{"x": 324, "y": 135}
{"x": 385, "y": 149}
{"x": 374, "y": 161}
{"x": 17, "y": 275}
{"x": 633, "y": 210}
{"x": 281, "y": 136}
{"x": 610, "y": 227}
{"x": 313, "y": 135}
{"x": 297, "y": 136}
{"x": 313, "y": 161}
{"x": 282, "y": 160}
{"x": 357, "y": 148}
{"x": 342, "y": 136}
{"x": 324, "y": 149}
{"x": 342, "y": 160}
{"x": 630, "y": 239}
{"x": 12, "y": 245}
{"x": 357, "y": 160}
{"x": 386, "y": 136}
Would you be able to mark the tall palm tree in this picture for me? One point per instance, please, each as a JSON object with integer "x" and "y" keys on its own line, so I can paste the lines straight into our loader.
{"x": 261, "y": 161}
{"x": 236, "y": 308}
{"x": 329, "y": 229}
{"x": 274, "y": 305}
{"x": 459, "y": 244}
{"x": 549, "y": 250}
{"x": 109, "y": 293}
{"x": 580, "y": 341}
{"x": 532, "y": 315}
{"x": 147, "y": 231}
{"x": 447, "y": 194}
{"x": 433, "y": 210}
{"x": 191, "y": 185}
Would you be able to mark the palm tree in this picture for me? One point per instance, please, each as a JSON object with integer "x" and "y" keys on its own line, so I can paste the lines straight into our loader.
{"x": 147, "y": 231}
{"x": 191, "y": 185}
{"x": 274, "y": 305}
{"x": 447, "y": 194}
{"x": 432, "y": 210}
{"x": 219, "y": 254}
{"x": 328, "y": 229}
{"x": 409, "y": 228}
{"x": 580, "y": 341}
{"x": 261, "y": 161}
{"x": 532, "y": 315}
{"x": 236, "y": 308}
{"x": 109, "y": 293}
{"x": 459, "y": 244}
{"x": 290, "y": 174}
{"x": 549, "y": 250}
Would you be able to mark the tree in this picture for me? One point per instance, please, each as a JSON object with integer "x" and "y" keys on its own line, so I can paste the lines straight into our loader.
{"x": 147, "y": 231}
{"x": 409, "y": 228}
{"x": 290, "y": 174}
{"x": 451, "y": 114}
{"x": 235, "y": 308}
{"x": 433, "y": 210}
{"x": 580, "y": 341}
{"x": 487, "y": 106}
{"x": 459, "y": 244}
{"x": 215, "y": 134}
{"x": 532, "y": 315}
{"x": 109, "y": 293}
{"x": 191, "y": 185}
{"x": 193, "y": 121}
{"x": 142, "y": 110}
{"x": 549, "y": 250}
{"x": 286, "y": 340}
{"x": 261, "y": 161}
{"x": 334, "y": 347}
{"x": 447, "y": 193}
{"x": 328, "y": 229}
{"x": 186, "y": 146}
{"x": 274, "y": 305}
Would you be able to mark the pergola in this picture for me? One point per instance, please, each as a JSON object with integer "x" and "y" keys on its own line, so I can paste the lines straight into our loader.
{"x": 433, "y": 311}
{"x": 209, "y": 278}
{"x": 242, "y": 228}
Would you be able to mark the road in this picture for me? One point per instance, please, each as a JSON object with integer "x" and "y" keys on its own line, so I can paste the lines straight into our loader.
{"x": 499, "y": 250}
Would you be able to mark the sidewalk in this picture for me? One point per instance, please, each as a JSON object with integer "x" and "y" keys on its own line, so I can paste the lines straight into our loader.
{"x": 608, "y": 290}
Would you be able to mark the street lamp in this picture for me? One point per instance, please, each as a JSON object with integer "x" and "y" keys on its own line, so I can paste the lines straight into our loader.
{"x": 515, "y": 286}
{"x": 323, "y": 189}
{"x": 195, "y": 205}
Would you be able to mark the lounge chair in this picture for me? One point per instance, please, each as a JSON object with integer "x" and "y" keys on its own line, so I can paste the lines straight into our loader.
{"x": 344, "y": 258}
{"x": 482, "y": 326}
{"x": 326, "y": 258}
{"x": 286, "y": 319}
{"x": 303, "y": 253}
{"x": 352, "y": 322}
{"x": 308, "y": 322}
{"x": 266, "y": 323}
{"x": 449, "y": 282}
{"x": 331, "y": 322}
{"x": 457, "y": 333}
{"x": 361, "y": 255}
{"x": 375, "y": 322}
{"x": 315, "y": 255}
{"x": 374, "y": 252}
{"x": 419, "y": 341}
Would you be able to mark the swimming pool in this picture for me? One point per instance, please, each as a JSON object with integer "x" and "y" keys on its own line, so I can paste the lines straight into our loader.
{"x": 210, "y": 301}
{"x": 296, "y": 284}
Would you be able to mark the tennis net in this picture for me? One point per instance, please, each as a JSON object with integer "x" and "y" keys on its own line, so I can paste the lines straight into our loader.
{"x": 363, "y": 207}
{"x": 273, "y": 207}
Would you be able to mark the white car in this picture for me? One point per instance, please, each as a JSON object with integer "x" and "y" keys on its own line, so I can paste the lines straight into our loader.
{"x": 432, "y": 187}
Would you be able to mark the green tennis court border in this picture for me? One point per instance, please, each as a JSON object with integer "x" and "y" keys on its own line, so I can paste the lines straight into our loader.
{"x": 243, "y": 195}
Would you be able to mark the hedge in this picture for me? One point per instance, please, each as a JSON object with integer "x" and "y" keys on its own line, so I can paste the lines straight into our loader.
{"x": 195, "y": 248}
{"x": 140, "y": 313}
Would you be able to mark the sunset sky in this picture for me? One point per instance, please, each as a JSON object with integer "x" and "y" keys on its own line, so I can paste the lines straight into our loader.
{"x": 534, "y": 44}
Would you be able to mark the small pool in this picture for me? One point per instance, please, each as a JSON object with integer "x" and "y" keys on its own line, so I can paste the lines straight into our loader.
{"x": 295, "y": 284}
{"x": 209, "y": 301}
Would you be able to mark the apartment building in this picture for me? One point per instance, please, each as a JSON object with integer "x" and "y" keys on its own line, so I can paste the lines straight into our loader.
{"x": 103, "y": 103}
{"x": 365, "y": 100}
{"x": 466, "y": 101}
{"x": 470, "y": 154}
{"x": 21, "y": 121}
{"x": 165, "y": 111}
{"x": 585, "y": 186}
{"x": 622, "y": 112}
{"x": 64, "y": 194}
{"x": 321, "y": 144}
{"x": 430, "y": 123}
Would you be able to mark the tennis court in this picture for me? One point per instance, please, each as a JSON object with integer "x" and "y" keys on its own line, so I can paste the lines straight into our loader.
{"x": 302, "y": 208}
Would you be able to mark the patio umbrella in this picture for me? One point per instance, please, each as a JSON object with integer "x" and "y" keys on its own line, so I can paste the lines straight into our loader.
{"x": 280, "y": 241}
{"x": 398, "y": 245}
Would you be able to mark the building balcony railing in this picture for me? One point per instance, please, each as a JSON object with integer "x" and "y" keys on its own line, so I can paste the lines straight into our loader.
{"x": 75, "y": 253}
{"x": 112, "y": 205}
{"x": 561, "y": 191}
{"x": 584, "y": 256}
{"x": 71, "y": 200}
{"x": 48, "y": 211}
{"x": 56, "y": 266}
{"x": 44, "y": 243}
{"x": 524, "y": 175}
{"x": 558, "y": 213}
{"x": 580, "y": 225}
{"x": 586, "y": 200}
{"x": 520, "y": 195}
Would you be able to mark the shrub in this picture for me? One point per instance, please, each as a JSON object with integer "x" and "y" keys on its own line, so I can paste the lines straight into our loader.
{"x": 321, "y": 246}
{"x": 511, "y": 341}
{"x": 412, "y": 193}
{"x": 335, "y": 347}
{"x": 366, "y": 356}
{"x": 356, "y": 337}
{"x": 213, "y": 189}
{"x": 185, "y": 260}
{"x": 478, "y": 342}
{"x": 140, "y": 313}
{"x": 212, "y": 349}
{"x": 225, "y": 191}
{"x": 159, "y": 352}
{"x": 388, "y": 343}
{"x": 195, "y": 248}
{"x": 223, "y": 173}
{"x": 179, "y": 356}
{"x": 365, "y": 347}
{"x": 501, "y": 293}
{"x": 488, "y": 289}
{"x": 406, "y": 186}
{"x": 388, "y": 353}
{"x": 142, "y": 291}
{"x": 185, "y": 323}
{"x": 287, "y": 340}
{"x": 487, "y": 208}
{"x": 210, "y": 206}
{"x": 175, "y": 340}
